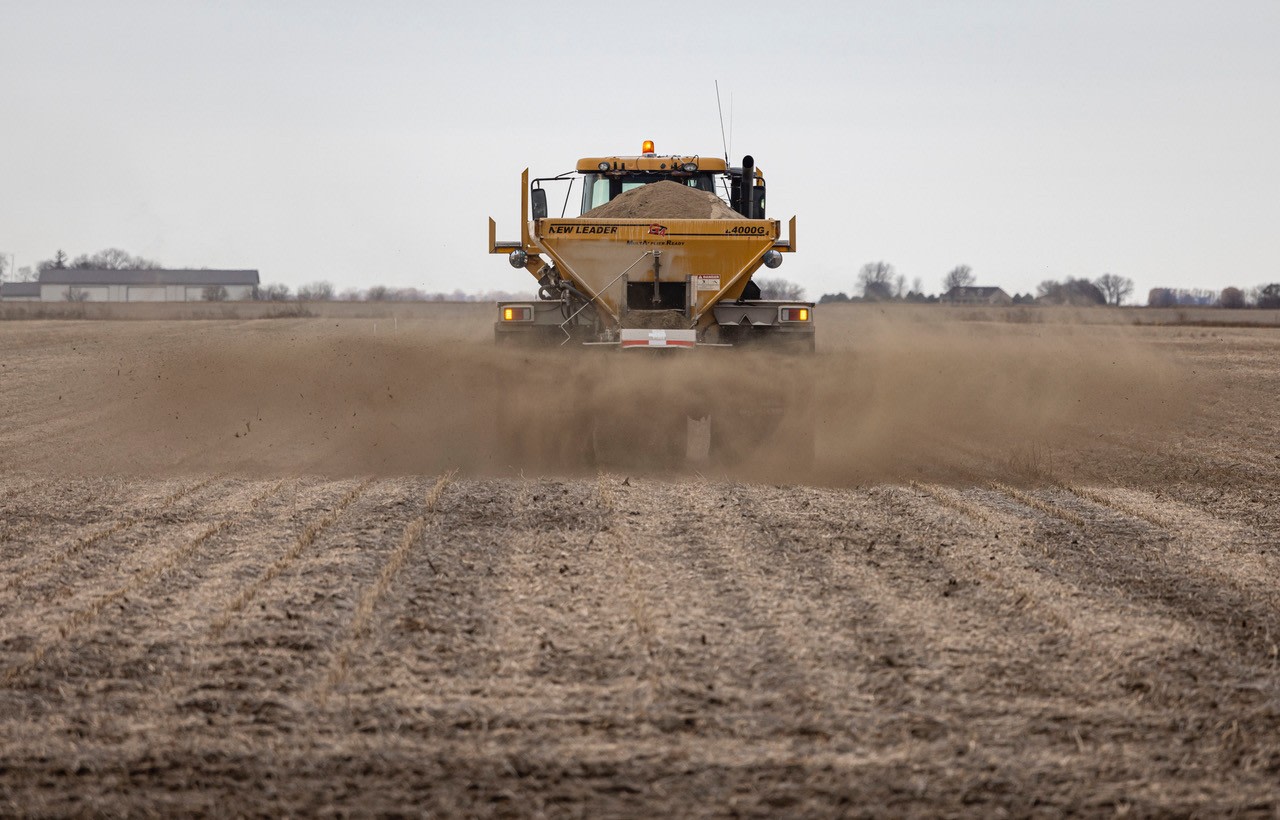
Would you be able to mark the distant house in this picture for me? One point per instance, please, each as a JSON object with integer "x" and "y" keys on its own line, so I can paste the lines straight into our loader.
{"x": 20, "y": 291}
{"x": 967, "y": 295}
{"x": 98, "y": 285}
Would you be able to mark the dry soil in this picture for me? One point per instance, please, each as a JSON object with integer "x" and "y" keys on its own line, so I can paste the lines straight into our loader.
{"x": 270, "y": 567}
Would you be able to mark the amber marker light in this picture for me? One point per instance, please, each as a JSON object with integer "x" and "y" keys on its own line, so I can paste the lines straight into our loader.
{"x": 647, "y": 147}
{"x": 508, "y": 314}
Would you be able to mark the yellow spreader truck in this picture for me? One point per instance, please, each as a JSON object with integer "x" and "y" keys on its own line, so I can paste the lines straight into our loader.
{"x": 650, "y": 279}
{"x": 660, "y": 258}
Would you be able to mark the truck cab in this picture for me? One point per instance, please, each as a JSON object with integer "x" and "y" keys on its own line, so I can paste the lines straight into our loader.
{"x": 604, "y": 276}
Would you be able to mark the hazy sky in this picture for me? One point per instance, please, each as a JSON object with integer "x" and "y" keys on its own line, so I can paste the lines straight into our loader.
{"x": 367, "y": 142}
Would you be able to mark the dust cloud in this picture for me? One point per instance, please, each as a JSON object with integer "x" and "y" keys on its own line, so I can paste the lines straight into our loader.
{"x": 885, "y": 401}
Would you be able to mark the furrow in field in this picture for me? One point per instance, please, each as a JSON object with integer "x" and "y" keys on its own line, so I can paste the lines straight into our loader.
{"x": 426, "y": 666}
{"x": 258, "y": 668}
{"x": 985, "y": 674}
{"x": 1185, "y": 576}
{"x": 52, "y": 585}
{"x": 69, "y": 628}
{"x": 20, "y": 488}
{"x": 147, "y": 511}
{"x": 54, "y": 510}
{"x": 154, "y": 656}
{"x": 306, "y": 538}
{"x": 564, "y": 627}
{"x": 755, "y": 610}
{"x": 358, "y": 630}
{"x": 1125, "y": 642}
{"x": 1172, "y": 465}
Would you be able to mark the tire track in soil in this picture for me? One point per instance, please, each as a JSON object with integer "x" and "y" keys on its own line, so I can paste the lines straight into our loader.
{"x": 1225, "y": 547}
{"x": 641, "y": 550}
{"x": 553, "y": 645}
{"x": 306, "y": 538}
{"x": 875, "y": 649}
{"x": 609, "y": 635}
{"x": 1125, "y": 630}
{"x": 1161, "y": 570}
{"x": 1176, "y": 556}
{"x": 771, "y": 683}
{"x": 1165, "y": 665}
{"x": 975, "y": 676}
{"x": 68, "y": 628}
{"x": 562, "y": 634}
{"x": 1198, "y": 468}
{"x": 142, "y": 513}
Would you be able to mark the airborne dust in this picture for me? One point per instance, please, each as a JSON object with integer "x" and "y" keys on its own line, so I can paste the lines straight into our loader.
{"x": 889, "y": 398}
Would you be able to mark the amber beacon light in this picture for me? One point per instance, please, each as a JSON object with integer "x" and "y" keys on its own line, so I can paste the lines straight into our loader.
{"x": 647, "y": 147}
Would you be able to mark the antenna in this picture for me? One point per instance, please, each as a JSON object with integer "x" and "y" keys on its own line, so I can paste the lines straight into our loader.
{"x": 730, "y": 148}
{"x": 721, "y": 110}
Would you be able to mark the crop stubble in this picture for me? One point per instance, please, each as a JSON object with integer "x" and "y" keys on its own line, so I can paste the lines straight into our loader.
{"x": 1053, "y": 610}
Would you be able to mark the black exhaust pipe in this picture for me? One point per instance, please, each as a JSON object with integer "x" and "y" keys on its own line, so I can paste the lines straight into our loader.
{"x": 747, "y": 205}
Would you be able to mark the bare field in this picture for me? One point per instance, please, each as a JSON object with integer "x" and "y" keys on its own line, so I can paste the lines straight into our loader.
{"x": 256, "y": 567}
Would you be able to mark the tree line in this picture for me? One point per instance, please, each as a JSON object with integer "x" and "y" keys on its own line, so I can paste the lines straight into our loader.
{"x": 325, "y": 292}
{"x": 877, "y": 281}
{"x": 1232, "y": 298}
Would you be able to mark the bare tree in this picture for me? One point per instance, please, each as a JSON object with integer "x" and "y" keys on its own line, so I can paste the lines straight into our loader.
{"x": 1048, "y": 289}
{"x": 214, "y": 293}
{"x": 377, "y": 293}
{"x": 5, "y": 264}
{"x": 1231, "y": 298}
{"x": 76, "y": 295}
{"x": 961, "y": 276}
{"x": 58, "y": 262}
{"x": 1114, "y": 287}
{"x": 272, "y": 293}
{"x": 114, "y": 259}
{"x": 876, "y": 280}
{"x": 780, "y": 290}
{"x": 316, "y": 292}
{"x": 1078, "y": 292}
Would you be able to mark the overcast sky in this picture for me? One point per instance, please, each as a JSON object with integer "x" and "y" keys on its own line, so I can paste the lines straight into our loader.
{"x": 368, "y": 142}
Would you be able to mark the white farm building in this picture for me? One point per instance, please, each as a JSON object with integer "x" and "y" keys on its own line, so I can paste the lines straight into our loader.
{"x": 97, "y": 285}
{"x": 20, "y": 291}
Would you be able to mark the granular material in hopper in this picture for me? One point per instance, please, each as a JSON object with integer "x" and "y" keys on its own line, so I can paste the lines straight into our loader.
{"x": 664, "y": 200}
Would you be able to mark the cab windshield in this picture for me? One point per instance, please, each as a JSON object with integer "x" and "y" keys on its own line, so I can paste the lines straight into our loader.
{"x": 597, "y": 189}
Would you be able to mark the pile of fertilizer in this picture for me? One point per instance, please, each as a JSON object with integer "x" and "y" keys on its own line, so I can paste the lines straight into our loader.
{"x": 664, "y": 200}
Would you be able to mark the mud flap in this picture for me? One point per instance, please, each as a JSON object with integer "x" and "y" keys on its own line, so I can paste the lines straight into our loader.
{"x": 697, "y": 440}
